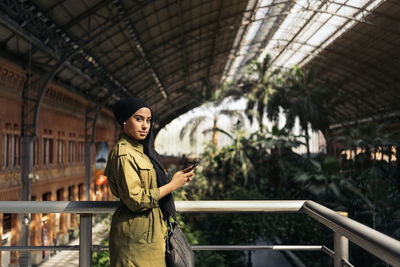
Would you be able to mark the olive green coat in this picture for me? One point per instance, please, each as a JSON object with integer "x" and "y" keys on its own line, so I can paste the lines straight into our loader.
{"x": 137, "y": 229}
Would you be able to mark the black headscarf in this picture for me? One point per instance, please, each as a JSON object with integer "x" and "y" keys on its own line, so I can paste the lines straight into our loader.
{"x": 123, "y": 110}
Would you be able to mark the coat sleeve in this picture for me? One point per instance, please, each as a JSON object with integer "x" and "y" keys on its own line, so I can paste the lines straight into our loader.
{"x": 131, "y": 190}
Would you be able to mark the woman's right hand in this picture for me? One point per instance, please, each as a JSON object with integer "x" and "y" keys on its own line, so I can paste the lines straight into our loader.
{"x": 179, "y": 179}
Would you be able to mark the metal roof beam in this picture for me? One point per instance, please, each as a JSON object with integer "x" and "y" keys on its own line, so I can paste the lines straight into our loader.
{"x": 193, "y": 40}
{"x": 276, "y": 24}
{"x": 197, "y": 69}
{"x": 224, "y": 23}
{"x": 83, "y": 57}
{"x": 297, "y": 34}
{"x": 90, "y": 12}
{"x": 240, "y": 36}
{"x": 322, "y": 45}
{"x": 186, "y": 74}
{"x": 140, "y": 48}
{"x": 15, "y": 27}
{"x": 214, "y": 40}
{"x": 318, "y": 10}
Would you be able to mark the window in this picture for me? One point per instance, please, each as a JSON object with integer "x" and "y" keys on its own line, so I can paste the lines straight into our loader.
{"x": 60, "y": 151}
{"x": 71, "y": 151}
{"x": 47, "y": 151}
{"x": 16, "y": 151}
{"x": 60, "y": 194}
{"x": 7, "y": 151}
{"x": 35, "y": 152}
{"x": 81, "y": 193}
{"x": 6, "y": 223}
{"x": 46, "y": 197}
{"x": 81, "y": 151}
{"x": 11, "y": 147}
{"x": 71, "y": 192}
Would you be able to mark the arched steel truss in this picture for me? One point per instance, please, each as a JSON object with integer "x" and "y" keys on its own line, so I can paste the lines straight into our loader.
{"x": 163, "y": 51}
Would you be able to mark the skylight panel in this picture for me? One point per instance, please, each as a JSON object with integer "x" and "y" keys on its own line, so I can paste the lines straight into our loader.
{"x": 323, "y": 34}
{"x": 308, "y": 27}
{"x": 333, "y": 8}
{"x": 310, "y": 31}
{"x": 337, "y": 21}
{"x": 295, "y": 57}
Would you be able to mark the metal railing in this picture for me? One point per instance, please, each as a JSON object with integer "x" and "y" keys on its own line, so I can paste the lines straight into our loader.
{"x": 382, "y": 246}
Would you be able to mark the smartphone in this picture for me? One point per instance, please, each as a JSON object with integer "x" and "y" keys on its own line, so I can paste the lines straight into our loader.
{"x": 194, "y": 165}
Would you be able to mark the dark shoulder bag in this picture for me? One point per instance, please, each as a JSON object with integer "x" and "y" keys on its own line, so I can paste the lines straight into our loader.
{"x": 178, "y": 251}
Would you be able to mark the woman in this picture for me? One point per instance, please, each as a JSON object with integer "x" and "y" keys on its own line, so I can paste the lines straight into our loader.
{"x": 136, "y": 176}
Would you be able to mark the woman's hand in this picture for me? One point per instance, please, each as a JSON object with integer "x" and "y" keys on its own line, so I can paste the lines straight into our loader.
{"x": 181, "y": 177}
{"x": 178, "y": 180}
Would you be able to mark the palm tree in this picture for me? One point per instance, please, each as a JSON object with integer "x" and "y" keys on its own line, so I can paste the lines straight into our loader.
{"x": 258, "y": 86}
{"x": 213, "y": 114}
{"x": 299, "y": 94}
{"x": 296, "y": 92}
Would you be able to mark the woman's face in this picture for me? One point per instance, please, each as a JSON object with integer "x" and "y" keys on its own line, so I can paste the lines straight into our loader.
{"x": 138, "y": 125}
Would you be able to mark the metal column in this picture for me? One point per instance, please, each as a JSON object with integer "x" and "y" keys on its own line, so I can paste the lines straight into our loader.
{"x": 85, "y": 240}
{"x": 88, "y": 169}
{"x": 26, "y": 181}
{"x": 85, "y": 227}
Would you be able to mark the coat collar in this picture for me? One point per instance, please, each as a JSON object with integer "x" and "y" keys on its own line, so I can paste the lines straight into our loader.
{"x": 134, "y": 143}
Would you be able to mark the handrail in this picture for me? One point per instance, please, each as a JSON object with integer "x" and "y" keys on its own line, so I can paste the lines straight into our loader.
{"x": 220, "y": 206}
{"x": 382, "y": 246}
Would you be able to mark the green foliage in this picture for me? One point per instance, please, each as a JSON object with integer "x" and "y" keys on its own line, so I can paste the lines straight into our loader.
{"x": 259, "y": 85}
{"x": 321, "y": 178}
{"x": 264, "y": 166}
{"x": 298, "y": 93}
{"x": 101, "y": 258}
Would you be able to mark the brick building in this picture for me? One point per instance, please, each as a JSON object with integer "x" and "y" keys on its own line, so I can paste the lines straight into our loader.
{"x": 58, "y": 159}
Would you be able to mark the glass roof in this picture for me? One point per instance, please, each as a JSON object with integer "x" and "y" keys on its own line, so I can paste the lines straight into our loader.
{"x": 294, "y": 32}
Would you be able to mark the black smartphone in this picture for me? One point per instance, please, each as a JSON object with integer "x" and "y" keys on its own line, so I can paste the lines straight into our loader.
{"x": 194, "y": 165}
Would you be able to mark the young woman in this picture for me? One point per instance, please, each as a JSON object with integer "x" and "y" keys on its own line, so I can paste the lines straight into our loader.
{"x": 136, "y": 176}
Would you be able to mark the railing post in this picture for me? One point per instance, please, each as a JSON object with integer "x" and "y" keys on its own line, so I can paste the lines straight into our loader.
{"x": 85, "y": 240}
{"x": 341, "y": 247}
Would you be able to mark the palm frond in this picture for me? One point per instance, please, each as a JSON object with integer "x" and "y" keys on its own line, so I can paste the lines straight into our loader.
{"x": 191, "y": 126}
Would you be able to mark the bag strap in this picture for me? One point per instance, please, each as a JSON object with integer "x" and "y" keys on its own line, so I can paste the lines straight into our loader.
{"x": 170, "y": 223}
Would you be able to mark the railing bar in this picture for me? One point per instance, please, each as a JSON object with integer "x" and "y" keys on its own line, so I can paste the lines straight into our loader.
{"x": 82, "y": 207}
{"x": 236, "y": 206}
{"x": 198, "y": 247}
{"x": 328, "y": 251}
{"x": 260, "y": 247}
{"x": 379, "y": 244}
{"x": 346, "y": 263}
{"x": 93, "y": 207}
{"x": 23, "y": 248}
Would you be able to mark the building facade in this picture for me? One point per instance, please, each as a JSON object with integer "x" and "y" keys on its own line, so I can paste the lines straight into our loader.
{"x": 58, "y": 159}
